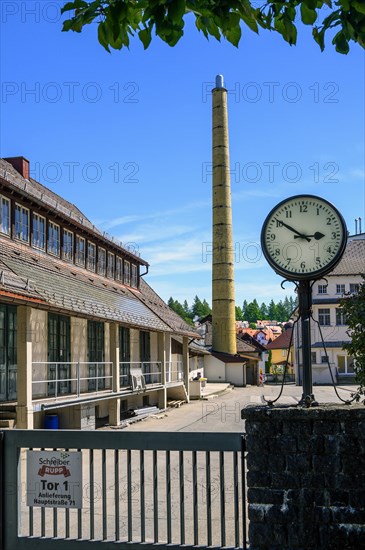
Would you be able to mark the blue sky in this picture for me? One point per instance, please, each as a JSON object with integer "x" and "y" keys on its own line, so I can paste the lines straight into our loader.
{"x": 127, "y": 136}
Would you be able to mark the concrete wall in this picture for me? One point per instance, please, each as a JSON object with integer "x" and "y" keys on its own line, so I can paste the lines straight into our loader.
{"x": 215, "y": 370}
{"x": 306, "y": 477}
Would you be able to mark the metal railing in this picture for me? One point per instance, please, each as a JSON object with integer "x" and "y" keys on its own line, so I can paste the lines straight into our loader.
{"x": 151, "y": 371}
{"x": 147, "y": 488}
{"x": 174, "y": 372}
{"x": 56, "y": 379}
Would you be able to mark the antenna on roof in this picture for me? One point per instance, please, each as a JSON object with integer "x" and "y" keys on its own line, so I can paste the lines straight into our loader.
{"x": 359, "y": 225}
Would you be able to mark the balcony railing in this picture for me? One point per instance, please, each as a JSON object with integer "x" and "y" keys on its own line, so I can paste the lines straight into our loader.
{"x": 151, "y": 370}
{"x": 174, "y": 372}
{"x": 56, "y": 379}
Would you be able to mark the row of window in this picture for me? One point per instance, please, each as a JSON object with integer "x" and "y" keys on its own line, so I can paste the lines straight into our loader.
{"x": 49, "y": 236}
{"x": 324, "y": 316}
{"x": 340, "y": 288}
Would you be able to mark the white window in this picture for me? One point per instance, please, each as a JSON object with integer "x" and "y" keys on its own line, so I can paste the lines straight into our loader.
{"x": 119, "y": 269}
{"x": 39, "y": 231}
{"x": 314, "y": 357}
{"x": 340, "y": 289}
{"x": 68, "y": 245}
{"x": 111, "y": 259}
{"x": 345, "y": 364}
{"x": 134, "y": 276}
{"x": 322, "y": 289}
{"x": 91, "y": 256}
{"x": 324, "y": 359}
{"x": 4, "y": 215}
{"x": 324, "y": 317}
{"x": 340, "y": 317}
{"x": 354, "y": 288}
{"x": 53, "y": 238}
{"x": 80, "y": 251}
{"x": 101, "y": 261}
{"x": 21, "y": 223}
{"x": 127, "y": 273}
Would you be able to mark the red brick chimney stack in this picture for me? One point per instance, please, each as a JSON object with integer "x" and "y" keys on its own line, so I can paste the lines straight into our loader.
{"x": 21, "y": 165}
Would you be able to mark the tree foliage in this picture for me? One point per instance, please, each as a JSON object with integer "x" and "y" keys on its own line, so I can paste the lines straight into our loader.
{"x": 119, "y": 20}
{"x": 250, "y": 311}
{"x": 354, "y": 309}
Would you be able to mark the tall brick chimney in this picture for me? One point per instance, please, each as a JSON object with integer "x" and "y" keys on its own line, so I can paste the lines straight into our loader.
{"x": 223, "y": 300}
{"x": 21, "y": 165}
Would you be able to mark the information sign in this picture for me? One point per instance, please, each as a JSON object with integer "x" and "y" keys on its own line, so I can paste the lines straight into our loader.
{"x": 54, "y": 479}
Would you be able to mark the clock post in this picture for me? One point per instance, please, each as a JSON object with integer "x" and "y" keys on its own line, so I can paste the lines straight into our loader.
{"x": 305, "y": 308}
{"x": 303, "y": 238}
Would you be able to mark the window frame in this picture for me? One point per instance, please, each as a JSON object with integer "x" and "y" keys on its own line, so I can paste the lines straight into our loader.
{"x": 36, "y": 218}
{"x": 322, "y": 289}
{"x": 22, "y": 210}
{"x": 342, "y": 286}
{"x": 354, "y": 288}
{"x": 91, "y": 266}
{"x": 127, "y": 272}
{"x": 134, "y": 275}
{"x": 101, "y": 263}
{"x": 110, "y": 268}
{"x": 64, "y": 255}
{"x": 3, "y": 200}
{"x": 340, "y": 317}
{"x": 324, "y": 317}
{"x": 119, "y": 269}
{"x": 51, "y": 226}
{"x": 78, "y": 238}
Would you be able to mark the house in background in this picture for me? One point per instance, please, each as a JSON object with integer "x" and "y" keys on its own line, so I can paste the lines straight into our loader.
{"x": 327, "y": 293}
{"x": 82, "y": 335}
{"x": 282, "y": 354}
{"x": 240, "y": 369}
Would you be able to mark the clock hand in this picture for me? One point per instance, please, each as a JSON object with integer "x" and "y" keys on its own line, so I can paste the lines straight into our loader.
{"x": 300, "y": 235}
{"x": 317, "y": 235}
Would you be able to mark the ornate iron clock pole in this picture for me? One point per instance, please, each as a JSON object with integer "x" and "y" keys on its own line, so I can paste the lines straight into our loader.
{"x": 303, "y": 238}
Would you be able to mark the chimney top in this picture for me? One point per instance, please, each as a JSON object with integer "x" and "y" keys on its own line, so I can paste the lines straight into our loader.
{"x": 21, "y": 165}
{"x": 219, "y": 81}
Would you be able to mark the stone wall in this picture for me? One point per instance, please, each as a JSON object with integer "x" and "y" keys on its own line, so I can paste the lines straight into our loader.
{"x": 306, "y": 477}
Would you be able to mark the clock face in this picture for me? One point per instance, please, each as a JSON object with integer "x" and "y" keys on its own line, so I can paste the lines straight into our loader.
{"x": 303, "y": 237}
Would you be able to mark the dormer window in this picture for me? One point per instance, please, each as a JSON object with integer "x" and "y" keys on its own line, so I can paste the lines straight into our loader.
{"x": 53, "y": 238}
{"x": 21, "y": 223}
{"x": 127, "y": 273}
{"x": 110, "y": 270}
{"x": 101, "y": 261}
{"x": 68, "y": 245}
{"x": 91, "y": 256}
{"x": 39, "y": 231}
{"x": 4, "y": 215}
{"x": 80, "y": 251}
{"x": 134, "y": 276}
{"x": 119, "y": 268}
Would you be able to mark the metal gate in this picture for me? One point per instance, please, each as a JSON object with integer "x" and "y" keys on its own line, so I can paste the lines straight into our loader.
{"x": 140, "y": 490}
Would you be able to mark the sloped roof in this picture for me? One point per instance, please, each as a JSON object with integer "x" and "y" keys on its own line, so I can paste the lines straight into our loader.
{"x": 29, "y": 274}
{"x": 282, "y": 341}
{"x": 228, "y": 358}
{"x": 353, "y": 260}
{"x": 52, "y": 201}
{"x": 242, "y": 346}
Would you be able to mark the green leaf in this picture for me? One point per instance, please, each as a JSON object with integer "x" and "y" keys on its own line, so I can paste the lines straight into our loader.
{"x": 234, "y": 35}
{"x": 145, "y": 37}
{"x": 308, "y": 15}
{"x": 359, "y": 6}
{"x": 176, "y": 10}
{"x": 103, "y": 35}
{"x": 341, "y": 43}
{"x": 319, "y": 37}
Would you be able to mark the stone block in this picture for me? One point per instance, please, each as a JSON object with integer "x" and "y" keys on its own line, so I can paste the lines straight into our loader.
{"x": 325, "y": 427}
{"x": 298, "y": 463}
{"x": 284, "y": 480}
{"x": 264, "y": 496}
{"x": 259, "y": 478}
{"x": 327, "y": 464}
{"x": 312, "y": 444}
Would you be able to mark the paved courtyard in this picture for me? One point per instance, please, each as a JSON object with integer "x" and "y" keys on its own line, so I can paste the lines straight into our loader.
{"x": 222, "y": 413}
